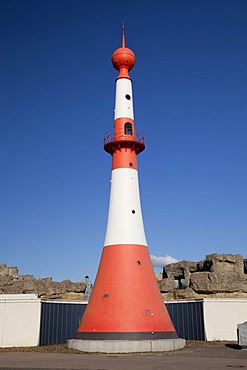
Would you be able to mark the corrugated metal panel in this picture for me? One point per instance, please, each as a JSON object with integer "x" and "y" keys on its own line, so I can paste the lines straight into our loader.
{"x": 59, "y": 321}
{"x": 187, "y": 318}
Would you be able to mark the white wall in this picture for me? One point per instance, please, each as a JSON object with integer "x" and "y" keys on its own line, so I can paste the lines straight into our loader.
{"x": 19, "y": 320}
{"x": 221, "y": 317}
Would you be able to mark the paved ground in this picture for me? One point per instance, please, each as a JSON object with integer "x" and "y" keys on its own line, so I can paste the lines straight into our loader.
{"x": 196, "y": 355}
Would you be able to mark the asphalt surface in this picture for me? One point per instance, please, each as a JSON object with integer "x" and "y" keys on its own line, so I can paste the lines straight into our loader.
{"x": 196, "y": 355}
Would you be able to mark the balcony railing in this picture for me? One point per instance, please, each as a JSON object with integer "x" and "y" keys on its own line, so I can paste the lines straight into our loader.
{"x": 115, "y": 141}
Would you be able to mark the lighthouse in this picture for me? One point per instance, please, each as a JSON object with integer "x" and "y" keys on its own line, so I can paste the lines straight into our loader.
{"x": 125, "y": 312}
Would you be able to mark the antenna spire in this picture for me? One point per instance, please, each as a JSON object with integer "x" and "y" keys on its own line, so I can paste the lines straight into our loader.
{"x": 123, "y": 36}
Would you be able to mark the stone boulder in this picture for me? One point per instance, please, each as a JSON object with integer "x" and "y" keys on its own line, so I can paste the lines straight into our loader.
{"x": 226, "y": 275}
{"x": 226, "y": 263}
{"x": 178, "y": 274}
{"x": 9, "y": 271}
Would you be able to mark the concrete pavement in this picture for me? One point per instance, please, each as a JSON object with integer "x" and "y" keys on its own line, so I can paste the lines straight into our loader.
{"x": 196, "y": 356}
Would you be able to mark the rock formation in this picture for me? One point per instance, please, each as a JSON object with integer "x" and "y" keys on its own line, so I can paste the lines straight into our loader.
{"x": 13, "y": 283}
{"x": 219, "y": 275}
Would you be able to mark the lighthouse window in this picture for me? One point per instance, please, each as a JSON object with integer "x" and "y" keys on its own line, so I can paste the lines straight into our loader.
{"x": 127, "y": 96}
{"x": 133, "y": 211}
{"x": 128, "y": 128}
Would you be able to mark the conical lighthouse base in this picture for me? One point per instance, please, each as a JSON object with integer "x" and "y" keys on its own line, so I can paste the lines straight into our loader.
{"x": 126, "y": 312}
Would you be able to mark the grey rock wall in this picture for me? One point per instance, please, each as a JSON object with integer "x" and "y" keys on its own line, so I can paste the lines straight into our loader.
{"x": 219, "y": 275}
{"x": 13, "y": 283}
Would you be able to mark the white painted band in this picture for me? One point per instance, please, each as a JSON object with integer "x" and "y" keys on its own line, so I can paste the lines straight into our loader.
{"x": 125, "y": 224}
{"x": 123, "y": 105}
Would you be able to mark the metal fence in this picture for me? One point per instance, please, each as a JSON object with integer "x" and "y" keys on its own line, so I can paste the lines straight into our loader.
{"x": 187, "y": 318}
{"x": 60, "y": 320}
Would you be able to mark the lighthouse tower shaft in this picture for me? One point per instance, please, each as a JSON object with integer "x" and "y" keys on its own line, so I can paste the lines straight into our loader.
{"x": 125, "y": 306}
{"x": 125, "y": 224}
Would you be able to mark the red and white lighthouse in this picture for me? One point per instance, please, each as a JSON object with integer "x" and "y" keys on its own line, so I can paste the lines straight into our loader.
{"x": 125, "y": 312}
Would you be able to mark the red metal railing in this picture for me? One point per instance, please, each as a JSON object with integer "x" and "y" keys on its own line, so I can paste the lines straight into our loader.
{"x": 110, "y": 136}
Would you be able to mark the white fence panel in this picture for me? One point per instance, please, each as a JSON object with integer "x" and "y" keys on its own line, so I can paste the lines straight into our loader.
{"x": 221, "y": 317}
{"x": 19, "y": 320}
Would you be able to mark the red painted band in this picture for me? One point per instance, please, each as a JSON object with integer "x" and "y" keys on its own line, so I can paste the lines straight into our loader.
{"x": 124, "y": 158}
{"x": 125, "y": 296}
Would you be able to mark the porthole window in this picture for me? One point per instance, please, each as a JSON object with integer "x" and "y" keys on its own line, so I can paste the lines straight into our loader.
{"x": 127, "y": 96}
{"x": 128, "y": 128}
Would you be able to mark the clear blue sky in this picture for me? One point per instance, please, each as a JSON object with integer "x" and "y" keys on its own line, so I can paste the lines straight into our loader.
{"x": 57, "y": 89}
